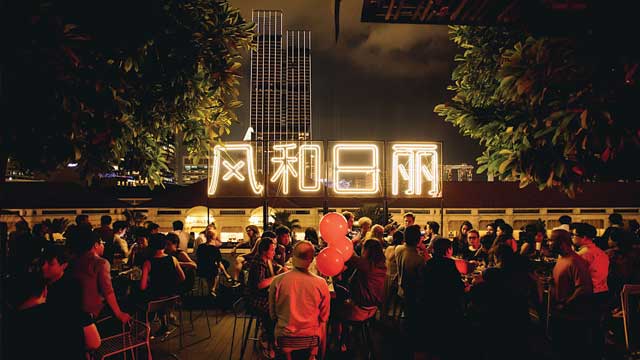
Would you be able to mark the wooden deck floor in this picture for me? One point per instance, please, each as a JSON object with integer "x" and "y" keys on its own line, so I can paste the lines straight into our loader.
{"x": 388, "y": 339}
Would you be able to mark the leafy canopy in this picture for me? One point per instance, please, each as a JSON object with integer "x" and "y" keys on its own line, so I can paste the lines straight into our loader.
{"x": 116, "y": 83}
{"x": 555, "y": 112}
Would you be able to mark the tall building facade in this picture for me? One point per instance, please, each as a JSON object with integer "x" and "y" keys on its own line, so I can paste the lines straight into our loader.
{"x": 280, "y": 105}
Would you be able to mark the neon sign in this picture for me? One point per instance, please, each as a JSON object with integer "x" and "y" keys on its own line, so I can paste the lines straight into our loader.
{"x": 233, "y": 171}
{"x": 421, "y": 162}
{"x": 412, "y": 169}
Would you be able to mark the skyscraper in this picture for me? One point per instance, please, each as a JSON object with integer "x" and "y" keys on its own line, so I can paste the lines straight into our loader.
{"x": 280, "y": 86}
{"x": 298, "y": 94}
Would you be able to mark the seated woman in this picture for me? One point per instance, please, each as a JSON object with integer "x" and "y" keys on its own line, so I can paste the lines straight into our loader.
{"x": 261, "y": 273}
{"x": 161, "y": 274}
{"x": 367, "y": 285}
{"x": 173, "y": 241}
{"x": 209, "y": 260}
{"x": 139, "y": 251}
{"x": 504, "y": 235}
{"x": 253, "y": 233}
{"x": 188, "y": 266}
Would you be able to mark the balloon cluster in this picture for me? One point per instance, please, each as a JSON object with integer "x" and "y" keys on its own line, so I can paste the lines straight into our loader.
{"x": 333, "y": 229}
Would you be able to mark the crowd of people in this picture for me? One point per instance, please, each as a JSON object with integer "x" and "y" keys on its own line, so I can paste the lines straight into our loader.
{"x": 442, "y": 289}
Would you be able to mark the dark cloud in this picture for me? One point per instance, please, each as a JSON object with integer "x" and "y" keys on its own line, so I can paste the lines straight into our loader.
{"x": 379, "y": 81}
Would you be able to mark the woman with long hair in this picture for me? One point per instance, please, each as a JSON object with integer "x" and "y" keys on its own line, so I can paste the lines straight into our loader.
{"x": 460, "y": 242}
{"x": 367, "y": 285}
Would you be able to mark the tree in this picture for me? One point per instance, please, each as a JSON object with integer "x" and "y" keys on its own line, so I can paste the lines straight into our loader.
{"x": 284, "y": 218}
{"x": 375, "y": 213}
{"x": 549, "y": 111}
{"x": 115, "y": 84}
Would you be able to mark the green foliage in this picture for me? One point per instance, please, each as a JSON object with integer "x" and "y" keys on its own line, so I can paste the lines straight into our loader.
{"x": 375, "y": 213}
{"x": 114, "y": 83}
{"x": 57, "y": 225}
{"x": 284, "y": 218}
{"x": 547, "y": 110}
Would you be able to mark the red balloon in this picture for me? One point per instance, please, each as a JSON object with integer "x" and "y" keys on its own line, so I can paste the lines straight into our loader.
{"x": 333, "y": 227}
{"x": 345, "y": 246}
{"x": 329, "y": 261}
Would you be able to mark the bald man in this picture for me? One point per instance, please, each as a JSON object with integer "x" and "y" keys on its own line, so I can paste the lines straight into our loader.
{"x": 299, "y": 300}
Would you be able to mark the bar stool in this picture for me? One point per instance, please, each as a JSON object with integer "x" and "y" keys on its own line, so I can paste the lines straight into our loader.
{"x": 193, "y": 286}
{"x": 240, "y": 313}
{"x": 162, "y": 305}
{"x": 364, "y": 327}
{"x": 288, "y": 344}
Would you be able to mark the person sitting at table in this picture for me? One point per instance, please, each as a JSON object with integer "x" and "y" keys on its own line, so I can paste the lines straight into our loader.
{"x": 121, "y": 248}
{"x": 283, "y": 249}
{"x": 188, "y": 266}
{"x": 460, "y": 242}
{"x": 298, "y": 299}
{"x": 37, "y": 330}
{"x": 161, "y": 275}
{"x": 94, "y": 274}
{"x": 63, "y": 291}
{"x": 366, "y": 286}
{"x": 140, "y": 250}
{"x": 209, "y": 260}
{"x": 172, "y": 248}
{"x": 475, "y": 251}
{"x": 243, "y": 262}
{"x": 261, "y": 273}
{"x": 504, "y": 235}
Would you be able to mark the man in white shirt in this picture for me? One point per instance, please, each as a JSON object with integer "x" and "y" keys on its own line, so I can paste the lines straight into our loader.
{"x": 299, "y": 300}
{"x": 178, "y": 229}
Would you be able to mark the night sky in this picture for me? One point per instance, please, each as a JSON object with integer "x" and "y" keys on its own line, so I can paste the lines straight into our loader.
{"x": 379, "y": 81}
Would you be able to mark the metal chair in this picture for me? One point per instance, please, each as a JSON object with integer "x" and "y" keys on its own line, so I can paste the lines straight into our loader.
{"x": 289, "y": 344}
{"x": 163, "y": 305}
{"x": 240, "y": 313}
{"x": 631, "y": 342}
{"x": 195, "y": 291}
{"x": 136, "y": 336}
{"x": 365, "y": 332}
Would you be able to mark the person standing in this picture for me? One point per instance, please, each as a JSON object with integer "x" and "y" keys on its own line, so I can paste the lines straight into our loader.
{"x": 410, "y": 264}
{"x": 598, "y": 261}
{"x": 573, "y": 290}
{"x": 391, "y": 280}
{"x": 440, "y": 311}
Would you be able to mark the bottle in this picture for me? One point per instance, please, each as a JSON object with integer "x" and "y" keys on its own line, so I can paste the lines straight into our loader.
{"x": 538, "y": 254}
